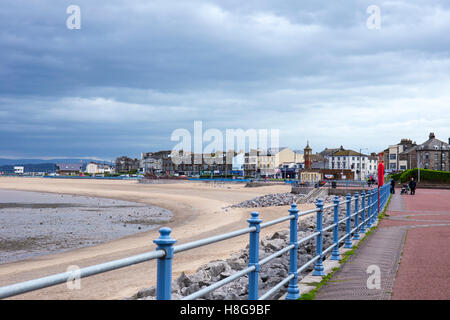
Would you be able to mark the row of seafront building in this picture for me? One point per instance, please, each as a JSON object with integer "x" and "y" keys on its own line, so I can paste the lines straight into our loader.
{"x": 337, "y": 163}
{"x": 332, "y": 163}
{"x": 432, "y": 154}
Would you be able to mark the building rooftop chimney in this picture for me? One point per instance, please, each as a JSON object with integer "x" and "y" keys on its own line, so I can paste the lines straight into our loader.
{"x": 432, "y": 135}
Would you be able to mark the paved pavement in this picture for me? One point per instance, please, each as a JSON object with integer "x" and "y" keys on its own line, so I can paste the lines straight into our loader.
{"x": 411, "y": 249}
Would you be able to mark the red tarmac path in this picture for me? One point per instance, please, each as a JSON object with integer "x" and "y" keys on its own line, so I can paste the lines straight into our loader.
{"x": 411, "y": 247}
{"x": 424, "y": 270}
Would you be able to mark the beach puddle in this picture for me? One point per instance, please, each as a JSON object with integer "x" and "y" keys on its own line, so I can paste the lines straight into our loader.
{"x": 34, "y": 223}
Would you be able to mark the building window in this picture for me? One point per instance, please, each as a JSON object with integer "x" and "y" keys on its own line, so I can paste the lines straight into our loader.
{"x": 402, "y": 167}
{"x": 427, "y": 156}
{"x": 392, "y": 156}
{"x": 392, "y": 166}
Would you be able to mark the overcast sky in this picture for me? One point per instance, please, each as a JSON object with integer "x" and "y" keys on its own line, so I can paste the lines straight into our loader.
{"x": 137, "y": 70}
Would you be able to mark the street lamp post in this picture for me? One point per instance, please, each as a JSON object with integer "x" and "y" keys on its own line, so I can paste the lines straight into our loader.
{"x": 360, "y": 167}
{"x": 418, "y": 166}
{"x": 419, "y": 155}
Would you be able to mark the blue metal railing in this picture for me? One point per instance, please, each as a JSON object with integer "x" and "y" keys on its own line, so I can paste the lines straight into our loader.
{"x": 368, "y": 211}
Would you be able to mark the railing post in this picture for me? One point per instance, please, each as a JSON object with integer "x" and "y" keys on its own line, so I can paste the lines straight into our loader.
{"x": 376, "y": 206}
{"x": 348, "y": 240}
{"x": 318, "y": 266}
{"x": 382, "y": 198}
{"x": 373, "y": 207}
{"x": 369, "y": 209}
{"x": 253, "y": 256}
{"x": 335, "y": 255}
{"x": 164, "y": 264}
{"x": 356, "y": 234}
{"x": 380, "y": 190}
{"x": 386, "y": 194}
{"x": 293, "y": 291}
{"x": 363, "y": 212}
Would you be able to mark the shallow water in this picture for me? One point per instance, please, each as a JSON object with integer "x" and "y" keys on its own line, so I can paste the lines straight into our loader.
{"x": 34, "y": 223}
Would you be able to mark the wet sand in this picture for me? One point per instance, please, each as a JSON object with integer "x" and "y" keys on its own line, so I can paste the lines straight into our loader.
{"x": 198, "y": 212}
{"x": 34, "y": 223}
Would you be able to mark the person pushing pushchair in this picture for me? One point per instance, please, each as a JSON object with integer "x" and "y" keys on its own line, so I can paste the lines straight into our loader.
{"x": 412, "y": 186}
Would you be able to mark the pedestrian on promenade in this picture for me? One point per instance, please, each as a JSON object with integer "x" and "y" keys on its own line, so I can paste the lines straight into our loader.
{"x": 412, "y": 186}
{"x": 392, "y": 186}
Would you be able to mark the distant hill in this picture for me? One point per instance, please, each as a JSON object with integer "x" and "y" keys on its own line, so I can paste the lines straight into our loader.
{"x": 39, "y": 165}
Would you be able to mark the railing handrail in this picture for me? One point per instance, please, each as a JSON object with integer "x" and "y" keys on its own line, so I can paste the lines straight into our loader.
{"x": 165, "y": 249}
{"x": 48, "y": 281}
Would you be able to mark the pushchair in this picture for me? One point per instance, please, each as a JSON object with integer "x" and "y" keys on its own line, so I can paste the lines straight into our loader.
{"x": 404, "y": 189}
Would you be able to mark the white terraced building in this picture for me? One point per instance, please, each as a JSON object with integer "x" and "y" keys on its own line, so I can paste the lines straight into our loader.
{"x": 362, "y": 165}
{"x": 98, "y": 168}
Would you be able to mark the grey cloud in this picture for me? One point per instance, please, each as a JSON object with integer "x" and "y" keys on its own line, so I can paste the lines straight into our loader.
{"x": 139, "y": 69}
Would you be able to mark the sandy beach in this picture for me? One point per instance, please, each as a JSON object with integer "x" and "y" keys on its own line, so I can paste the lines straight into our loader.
{"x": 198, "y": 212}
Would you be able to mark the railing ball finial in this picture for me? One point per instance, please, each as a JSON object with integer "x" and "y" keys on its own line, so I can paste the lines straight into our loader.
{"x": 254, "y": 220}
{"x": 164, "y": 237}
{"x": 293, "y": 209}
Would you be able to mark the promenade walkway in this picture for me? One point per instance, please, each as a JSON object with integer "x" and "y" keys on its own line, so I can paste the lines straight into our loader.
{"x": 411, "y": 249}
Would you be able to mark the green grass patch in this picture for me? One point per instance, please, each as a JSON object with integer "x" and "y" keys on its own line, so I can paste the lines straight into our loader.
{"x": 312, "y": 294}
{"x": 382, "y": 215}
